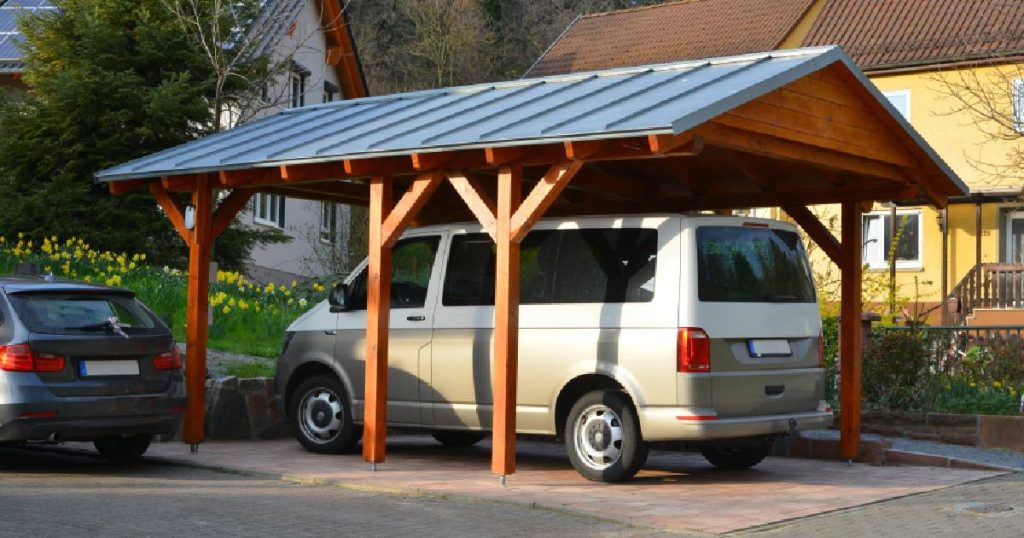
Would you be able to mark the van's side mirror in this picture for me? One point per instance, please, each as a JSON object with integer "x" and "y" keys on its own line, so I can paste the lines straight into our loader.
{"x": 339, "y": 298}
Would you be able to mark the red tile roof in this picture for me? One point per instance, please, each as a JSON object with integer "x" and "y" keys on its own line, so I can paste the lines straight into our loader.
{"x": 670, "y": 32}
{"x": 887, "y": 34}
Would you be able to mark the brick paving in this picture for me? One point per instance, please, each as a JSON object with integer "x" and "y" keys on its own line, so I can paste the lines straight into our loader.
{"x": 676, "y": 491}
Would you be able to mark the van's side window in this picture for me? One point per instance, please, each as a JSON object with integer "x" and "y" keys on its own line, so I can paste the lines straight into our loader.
{"x": 558, "y": 266}
{"x": 411, "y": 262}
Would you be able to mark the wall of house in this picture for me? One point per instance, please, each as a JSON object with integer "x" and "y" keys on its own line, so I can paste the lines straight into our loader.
{"x": 298, "y": 258}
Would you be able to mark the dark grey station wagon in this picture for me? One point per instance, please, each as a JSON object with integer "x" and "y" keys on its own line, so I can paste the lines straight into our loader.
{"x": 83, "y": 362}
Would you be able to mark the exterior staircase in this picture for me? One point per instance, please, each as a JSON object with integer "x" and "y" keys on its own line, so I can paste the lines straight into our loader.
{"x": 990, "y": 294}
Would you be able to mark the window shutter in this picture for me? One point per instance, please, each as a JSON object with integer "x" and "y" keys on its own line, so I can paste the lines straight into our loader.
{"x": 280, "y": 211}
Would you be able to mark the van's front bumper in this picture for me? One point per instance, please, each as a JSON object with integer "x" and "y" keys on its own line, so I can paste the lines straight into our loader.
{"x": 684, "y": 424}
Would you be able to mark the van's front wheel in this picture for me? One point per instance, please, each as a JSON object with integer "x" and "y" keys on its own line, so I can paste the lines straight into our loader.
{"x": 321, "y": 415}
{"x": 602, "y": 437}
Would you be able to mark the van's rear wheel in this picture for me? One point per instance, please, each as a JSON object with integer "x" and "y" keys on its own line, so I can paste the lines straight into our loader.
{"x": 602, "y": 437}
{"x": 457, "y": 439}
{"x": 733, "y": 457}
{"x": 321, "y": 415}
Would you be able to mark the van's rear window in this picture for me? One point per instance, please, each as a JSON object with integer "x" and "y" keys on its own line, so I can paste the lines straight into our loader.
{"x": 752, "y": 265}
{"x": 80, "y": 313}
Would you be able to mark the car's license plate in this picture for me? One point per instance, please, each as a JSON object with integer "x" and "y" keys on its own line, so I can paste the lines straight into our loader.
{"x": 769, "y": 348}
{"x": 108, "y": 368}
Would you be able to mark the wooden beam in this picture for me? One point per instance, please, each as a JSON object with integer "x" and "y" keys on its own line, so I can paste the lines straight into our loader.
{"x": 850, "y": 337}
{"x": 578, "y": 150}
{"x": 251, "y": 176}
{"x": 481, "y": 205}
{"x": 728, "y": 137}
{"x": 172, "y": 208}
{"x": 406, "y": 209}
{"x": 378, "y": 308}
{"x": 506, "y": 325}
{"x": 751, "y": 170}
{"x": 939, "y": 199}
{"x": 185, "y": 183}
{"x": 541, "y": 197}
{"x": 500, "y": 156}
{"x": 306, "y": 193}
{"x": 197, "y": 304}
{"x": 681, "y": 144}
{"x": 124, "y": 186}
{"x": 816, "y": 231}
{"x": 378, "y": 166}
{"x": 313, "y": 171}
{"x": 227, "y": 210}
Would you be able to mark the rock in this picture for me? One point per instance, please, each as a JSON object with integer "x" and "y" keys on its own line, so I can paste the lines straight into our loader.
{"x": 227, "y": 416}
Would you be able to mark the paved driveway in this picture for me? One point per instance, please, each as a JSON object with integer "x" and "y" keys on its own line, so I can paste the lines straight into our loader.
{"x": 677, "y": 492}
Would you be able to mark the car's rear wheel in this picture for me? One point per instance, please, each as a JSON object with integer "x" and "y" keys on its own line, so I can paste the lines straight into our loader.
{"x": 602, "y": 437}
{"x": 321, "y": 416}
{"x": 123, "y": 448}
{"x": 734, "y": 457}
{"x": 457, "y": 439}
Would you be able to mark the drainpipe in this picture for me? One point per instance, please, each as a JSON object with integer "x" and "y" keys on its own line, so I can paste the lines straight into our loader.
{"x": 977, "y": 233}
{"x": 944, "y": 228}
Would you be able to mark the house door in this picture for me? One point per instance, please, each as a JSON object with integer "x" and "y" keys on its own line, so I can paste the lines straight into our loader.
{"x": 1015, "y": 237}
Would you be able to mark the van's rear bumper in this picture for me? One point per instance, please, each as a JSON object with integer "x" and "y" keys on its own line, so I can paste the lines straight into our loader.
{"x": 683, "y": 424}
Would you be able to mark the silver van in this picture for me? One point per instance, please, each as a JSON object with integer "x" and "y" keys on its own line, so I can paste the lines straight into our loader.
{"x": 703, "y": 329}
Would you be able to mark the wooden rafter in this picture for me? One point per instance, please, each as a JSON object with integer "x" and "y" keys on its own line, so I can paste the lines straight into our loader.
{"x": 118, "y": 188}
{"x": 411, "y": 202}
{"x": 228, "y": 210}
{"x": 541, "y": 197}
{"x": 172, "y": 208}
{"x": 816, "y": 231}
{"x": 477, "y": 200}
{"x": 680, "y": 144}
{"x": 179, "y": 183}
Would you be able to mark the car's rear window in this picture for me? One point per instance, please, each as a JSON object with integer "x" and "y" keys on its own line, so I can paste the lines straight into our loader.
{"x": 752, "y": 265}
{"x": 79, "y": 313}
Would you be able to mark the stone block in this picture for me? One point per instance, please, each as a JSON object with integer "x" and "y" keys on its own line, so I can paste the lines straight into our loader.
{"x": 950, "y": 420}
{"x": 893, "y": 418}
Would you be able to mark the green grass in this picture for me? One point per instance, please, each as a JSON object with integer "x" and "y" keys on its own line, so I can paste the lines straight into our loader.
{"x": 247, "y": 318}
{"x": 250, "y": 369}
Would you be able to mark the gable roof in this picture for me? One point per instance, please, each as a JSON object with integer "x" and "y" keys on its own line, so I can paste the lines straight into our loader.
{"x": 670, "y": 32}
{"x": 888, "y": 34}
{"x": 10, "y": 37}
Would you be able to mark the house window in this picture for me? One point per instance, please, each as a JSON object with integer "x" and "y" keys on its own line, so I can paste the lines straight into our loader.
{"x": 297, "y": 78}
{"x": 1017, "y": 96}
{"x": 268, "y": 209}
{"x": 330, "y": 90}
{"x": 328, "y": 222}
{"x": 899, "y": 99}
{"x": 878, "y": 239}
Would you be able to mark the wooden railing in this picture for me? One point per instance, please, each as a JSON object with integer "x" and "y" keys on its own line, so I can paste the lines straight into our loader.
{"x": 988, "y": 285}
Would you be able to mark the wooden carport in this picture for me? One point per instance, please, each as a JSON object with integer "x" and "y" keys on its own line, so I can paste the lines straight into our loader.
{"x": 783, "y": 129}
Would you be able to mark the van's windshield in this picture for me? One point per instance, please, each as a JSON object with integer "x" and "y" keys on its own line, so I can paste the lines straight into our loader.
{"x": 752, "y": 265}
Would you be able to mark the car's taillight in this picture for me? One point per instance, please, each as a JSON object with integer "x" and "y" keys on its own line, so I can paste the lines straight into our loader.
{"x": 821, "y": 350}
{"x": 693, "y": 351}
{"x": 168, "y": 360}
{"x": 21, "y": 358}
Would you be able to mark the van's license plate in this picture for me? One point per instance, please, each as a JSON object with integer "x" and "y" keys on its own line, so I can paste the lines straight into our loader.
{"x": 769, "y": 348}
{"x": 108, "y": 368}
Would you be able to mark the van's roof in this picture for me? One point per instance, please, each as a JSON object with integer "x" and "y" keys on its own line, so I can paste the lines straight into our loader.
{"x": 722, "y": 220}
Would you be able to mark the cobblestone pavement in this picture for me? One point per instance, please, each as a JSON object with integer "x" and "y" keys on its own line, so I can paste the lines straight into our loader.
{"x": 992, "y": 507}
{"x": 46, "y": 492}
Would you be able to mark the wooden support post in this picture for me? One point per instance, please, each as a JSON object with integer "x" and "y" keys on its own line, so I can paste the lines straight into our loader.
{"x": 197, "y": 315}
{"x": 944, "y": 228}
{"x": 977, "y": 233}
{"x": 850, "y": 332}
{"x": 378, "y": 309}
{"x": 506, "y": 325}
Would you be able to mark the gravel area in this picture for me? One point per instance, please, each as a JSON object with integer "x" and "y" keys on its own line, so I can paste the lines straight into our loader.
{"x": 989, "y": 456}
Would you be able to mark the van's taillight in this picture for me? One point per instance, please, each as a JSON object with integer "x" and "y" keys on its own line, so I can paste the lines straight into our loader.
{"x": 168, "y": 360}
{"x": 21, "y": 358}
{"x": 821, "y": 350}
{"x": 693, "y": 351}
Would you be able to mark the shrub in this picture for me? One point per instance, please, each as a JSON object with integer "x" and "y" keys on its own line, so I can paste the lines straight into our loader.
{"x": 897, "y": 372}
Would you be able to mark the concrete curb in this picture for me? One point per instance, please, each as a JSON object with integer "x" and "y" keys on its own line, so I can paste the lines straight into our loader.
{"x": 906, "y": 457}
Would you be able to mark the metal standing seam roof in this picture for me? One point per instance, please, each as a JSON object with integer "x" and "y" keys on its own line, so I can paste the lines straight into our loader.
{"x": 10, "y": 37}
{"x": 660, "y": 99}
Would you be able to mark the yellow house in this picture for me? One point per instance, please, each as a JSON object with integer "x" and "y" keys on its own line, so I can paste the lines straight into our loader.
{"x": 953, "y": 68}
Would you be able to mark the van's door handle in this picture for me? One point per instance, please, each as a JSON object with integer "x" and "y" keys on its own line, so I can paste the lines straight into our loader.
{"x": 416, "y": 318}
{"x": 774, "y": 390}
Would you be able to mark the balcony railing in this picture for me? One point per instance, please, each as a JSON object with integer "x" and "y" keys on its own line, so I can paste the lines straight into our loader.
{"x": 988, "y": 285}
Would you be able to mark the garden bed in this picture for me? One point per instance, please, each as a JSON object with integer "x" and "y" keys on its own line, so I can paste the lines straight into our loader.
{"x": 986, "y": 431}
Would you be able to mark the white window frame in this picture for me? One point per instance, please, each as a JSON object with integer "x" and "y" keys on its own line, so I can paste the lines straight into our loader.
{"x": 889, "y": 94}
{"x": 297, "y": 88}
{"x": 328, "y": 222}
{"x": 1017, "y": 102}
{"x": 882, "y": 262}
{"x": 270, "y": 206}
{"x": 330, "y": 91}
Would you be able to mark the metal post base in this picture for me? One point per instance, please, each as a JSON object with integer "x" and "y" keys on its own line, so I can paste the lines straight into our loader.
{"x": 849, "y": 463}
{"x": 373, "y": 467}
{"x": 501, "y": 479}
{"x": 193, "y": 448}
